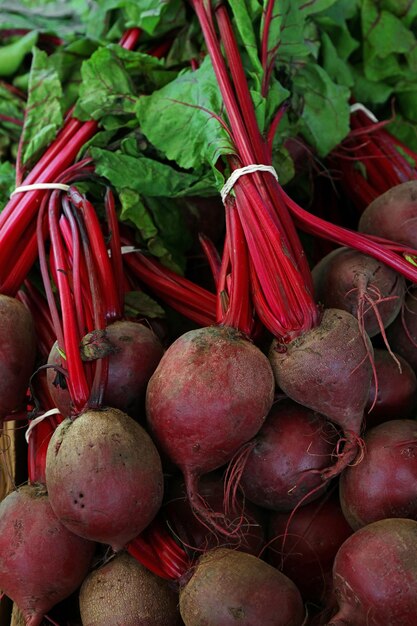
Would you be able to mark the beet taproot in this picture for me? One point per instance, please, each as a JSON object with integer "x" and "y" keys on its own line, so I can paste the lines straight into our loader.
{"x": 41, "y": 561}
{"x": 284, "y": 465}
{"x": 17, "y": 354}
{"x": 393, "y": 215}
{"x": 134, "y": 353}
{"x": 384, "y": 483}
{"x": 328, "y": 369}
{"x": 123, "y": 592}
{"x": 104, "y": 476}
{"x": 355, "y": 282}
{"x": 229, "y": 587}
{"x": 208, "y": 396}
{"x": 375, "y": 576}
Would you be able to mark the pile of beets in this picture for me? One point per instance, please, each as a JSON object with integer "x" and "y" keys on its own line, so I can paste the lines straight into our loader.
{"x": 257, "y": 467}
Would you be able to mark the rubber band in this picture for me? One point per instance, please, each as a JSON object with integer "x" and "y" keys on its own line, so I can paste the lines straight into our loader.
{"x": 37, "y": 421}
{"x": 358, "y": 106}
{"x": 241, "y": 171}
{"x": 127, "y": 250}
{"x": 36, "y": 186}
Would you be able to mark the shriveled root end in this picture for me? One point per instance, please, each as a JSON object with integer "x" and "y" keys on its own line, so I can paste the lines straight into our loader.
{"x": 351, "y": 454}
{"x": 214, "y": 521}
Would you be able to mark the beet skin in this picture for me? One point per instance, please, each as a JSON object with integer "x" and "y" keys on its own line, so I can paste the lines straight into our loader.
{"x": 375, "y": 576}
{"x": 41, "y": 562}
{"x": 104, "y": 476}
{"x": 384, "y": 483}
{"x": 17, "y": 354}
{"x": 125, "y": 593}
{"x": 291, "y": 448}
{"x": 328, "y": 370}
{"x": 208, "y": 396}
{"x": 229, "y": 587}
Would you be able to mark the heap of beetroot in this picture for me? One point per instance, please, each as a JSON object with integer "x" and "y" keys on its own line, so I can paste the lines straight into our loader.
{"x": 271, "y": 392}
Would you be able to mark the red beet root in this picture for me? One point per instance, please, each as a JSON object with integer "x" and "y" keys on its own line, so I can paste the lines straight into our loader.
{"x": 305, "y": 550}
{"x": 17, "y": 354}
{"x": 41, "y": 562}
{"x": 402, "y": 334}
{"x": 393, "y": 215}
{"x": 369, "y": 290}
{"x": 397, "y": 390}
{"x": 384, "y": 484}
{"x": 375, "y": 576}
{"x": 327, "y": 369}
{"x": 230, "y": 587}
{"x": 104, "y": 476}
{"x": 208, "y": 396}
{"x": 291, "y": 448}
{"x": 135, "y": 353}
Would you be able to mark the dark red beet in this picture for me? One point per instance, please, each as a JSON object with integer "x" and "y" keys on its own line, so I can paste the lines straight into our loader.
{"x": 136, "y": 351}
{"x": 305, "y": 549}
{"x": 41, "y": 562}
{"x": 104, "y": 476}
{"x": 291, "y": 448}
{"x": 17, "y": 354}
{"x": 375, "y": 576}
{"x": 349, "y": 280}
{"x": 402, "y": 334}
{"x": 384, "y": 484}
{"x": 328, "y": 370}
{"x": 193, "y": 533}
{"x": 393, "y": 215}
{"x": 230, "y": 587}
{"x": 208, "y": 396}
{"x": 397, "y": 390}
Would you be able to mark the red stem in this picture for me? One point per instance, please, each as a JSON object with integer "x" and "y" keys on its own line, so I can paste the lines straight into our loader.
{"x": 77, "y": 382}
{"x": 115, "y": 247}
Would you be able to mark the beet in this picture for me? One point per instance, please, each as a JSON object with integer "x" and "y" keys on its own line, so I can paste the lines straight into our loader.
{"x": 393, "y": 215}
{"x": 305, "y": 549}
{"x": 349, "y": 280}
{"x": 375, "y": 576}
{"x": 124, "y": 593}
{"x": 135, "y": 353}
{"x": 208, "y": 396}
{"x": 384, "y": 484}
{"x": 397, "y": 390}
{"x": 104, "y": 476}
{"x": 328, "y": 370}
{"x": 229, "y": 587}
{"x": 17, "y": 354}
{"x": 402, "y": 334}
{"x": 194, "y": 534}
{"x": 41, "y": 562}
{"x": 291, "y": 448}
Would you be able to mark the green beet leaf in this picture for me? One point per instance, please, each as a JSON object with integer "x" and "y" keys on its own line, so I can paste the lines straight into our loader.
{"x": 324, "y": 120}
{"x": 7, "y": 182}
{"x": 44, "y": 115}
{"x": 180, "y": 119}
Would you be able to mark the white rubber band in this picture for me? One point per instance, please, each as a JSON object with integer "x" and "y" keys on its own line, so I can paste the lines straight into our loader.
{"x": 126, "y": 250}
{"x": 37, "y": 420}
{"x": 35, "y": 186}
{"x": 241, "y": 171}
{"x": 358, "y": 106}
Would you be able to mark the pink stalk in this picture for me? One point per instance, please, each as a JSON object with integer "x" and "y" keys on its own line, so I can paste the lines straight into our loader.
{"x": 273, "y": 244}
{"x": 99, "y": 255}
{"x": 77, "y": 382}
{"x": 115, "y": 247}
{"x": 21, "y": 210}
